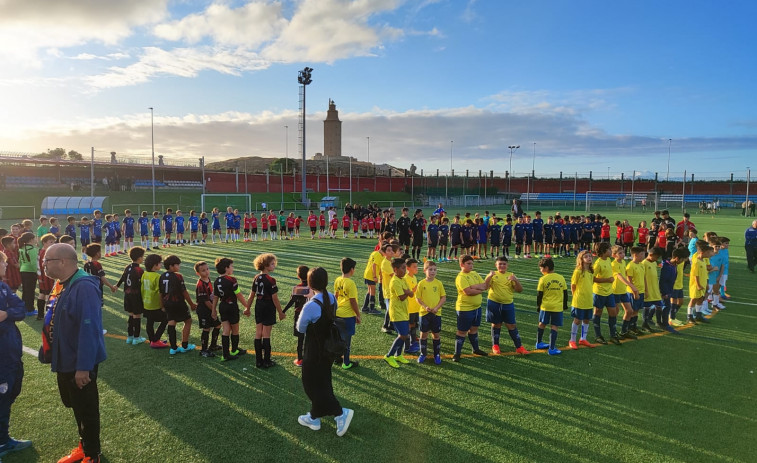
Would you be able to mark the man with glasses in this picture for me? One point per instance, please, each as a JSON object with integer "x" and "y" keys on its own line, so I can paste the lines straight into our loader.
{"x": 77, "y": 346}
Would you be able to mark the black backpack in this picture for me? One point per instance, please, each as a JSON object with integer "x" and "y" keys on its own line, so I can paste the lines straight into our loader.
{"x": 333, "y": 344}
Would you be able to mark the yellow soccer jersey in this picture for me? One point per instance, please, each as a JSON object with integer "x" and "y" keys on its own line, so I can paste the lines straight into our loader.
{"x": 635, "y": 273}
{"x": 466, "y": 303}
{"x": 344, "y": 289}
{"x": 397, "y": 308}
{"x": 553, "y": 288}
{"x": 412, "y": 304}
{"x": 603, "y": 269}
{"x": 501, "y": 289}
{"x": 151, "y": 290}
{"x": 698, "y": 268}
{"x": 618, "y": 269}
{"x": 386, "y": 275}
{"x": 679, "y": 276}
{"x": 582, "y": 296}
{"x": 375, "y": 259}
{"x": 651, "y": 282}
{"x": 430, "y": 292}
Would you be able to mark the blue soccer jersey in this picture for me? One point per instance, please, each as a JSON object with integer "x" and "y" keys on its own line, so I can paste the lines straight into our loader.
{"x": 84, "y": 231}
{"x": 144, "y": 224}
{"x": 237, "y": 222}
{"x": 507, "y": 235}
{"x": 97, "y": 227}
{"x": 494, "y": 234}
{"x": 155, "y": 222}
{"x": 180, "y": 224}
{"x": 204, "y": 224}
{"x": 444, "y": 231}
{"x": 71, "y": 230}
{"x": 229, "y": 219}
{"x": 528, "y": 230}
{"x": 433, "y": 234}
{"x": 216, "y": 222}
{"x": 168, "y": 220}
{"x": 129, "y": 227}
{"x": 538, "y": 228}
{"x": 193, "y": 221}
{"x": 519, "y": 231}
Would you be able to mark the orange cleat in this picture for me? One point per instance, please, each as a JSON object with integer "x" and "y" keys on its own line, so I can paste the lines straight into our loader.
{"x": 522, "y": 350}
{"x": 586, "y": 343}
{"x": 495, "y": 350}
{"x": 573, "y": 345}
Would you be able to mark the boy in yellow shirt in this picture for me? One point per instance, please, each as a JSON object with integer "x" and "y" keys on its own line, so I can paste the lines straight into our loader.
{"x": 398, "y": 295}
{"x": 500, "y": 308}
{"x": 469, "y": 286}
{"x": 635, "y": 272}
{"x": 551, "y": 301}
{"x": 371, "y": 276}
{"x": 347, "y": 313}
{"x": 698, "y": 283}
{"x": 652, "y": 296}
{"x": 153, "y": 303}
{"x": 603, "y": 295}
{"x": 581, "y": 283}
{"x": 387, "y": 271}
{"x": 431, "y": 297}
{"x": 413, "y": 308}
{"x": 620, "y": 290}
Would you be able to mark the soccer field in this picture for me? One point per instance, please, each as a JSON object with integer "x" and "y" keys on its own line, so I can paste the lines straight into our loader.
{"x": 660, "y": 398}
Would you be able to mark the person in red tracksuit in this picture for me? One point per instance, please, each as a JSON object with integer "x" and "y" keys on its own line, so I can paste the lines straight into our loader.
{"x": 628, "y": 236}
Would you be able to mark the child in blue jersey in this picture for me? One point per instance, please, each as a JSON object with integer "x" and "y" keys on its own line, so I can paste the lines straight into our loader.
{"x": 538, "y": 225}
{"x": 194, "y": 227}
{"x": 433, "y": 238}
{"x": 549, "y": 237}
{"x": 229, "y": 219}
{"x": 179, "y": 228}
{"x": 725, "y": 243}
{"x": 156, "y": 229}
{"x": 443, "y": 240}
{"x": 119, "y": 235}
{"x": 520, "y": 233}
{"x": 668, "y": 277}
{"x": 507, "y": 236}
{"x": 84, "y": 236}
{"x": 495, "y": 235}
{"x": 71, "y": 229}
{"x": 167, "y": 227}
{"x": 54, "y": 227}
{"x": 127, "y": 229}
{"x": 455, "y": 237}
{"x": 558, "y": 240}
{"x": 204, "y": 226}
{"x": 216, "y": 225}
{"x": 587, "y": 234}
{"x": 528, "y": 239}
{"x": 110, "y": 236}
{"x": 97, "y": 227}
{"x": 144, "y": 230}
{"x": 237, "y": 224}
{"x": 482, "y": 247}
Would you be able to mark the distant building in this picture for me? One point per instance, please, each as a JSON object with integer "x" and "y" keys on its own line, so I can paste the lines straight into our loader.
{"x": 332, "y": 132}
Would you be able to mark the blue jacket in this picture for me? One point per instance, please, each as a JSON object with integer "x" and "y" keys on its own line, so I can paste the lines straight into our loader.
{"x": 750, "y": 236}
{"x": 78, "y": 342}
{"x": 668, "y": 275}
{"x": 10, "y": 336}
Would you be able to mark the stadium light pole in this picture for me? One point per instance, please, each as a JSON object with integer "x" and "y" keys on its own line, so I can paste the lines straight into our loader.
{"x": 531, "y": 176}
{"x": 304, "y": 79}
{"x": 152, "y": 138}
{"x": 368, "y": 148}
{"x": 667, "y": 176}
{"x": 92, "y": 174}
{"x": 510, "y": 173}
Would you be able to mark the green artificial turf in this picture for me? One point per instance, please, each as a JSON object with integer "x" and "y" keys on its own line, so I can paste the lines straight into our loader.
{"x": 661, "y": 398}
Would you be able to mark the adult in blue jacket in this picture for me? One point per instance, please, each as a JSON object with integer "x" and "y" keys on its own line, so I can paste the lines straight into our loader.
{"x": 750, "y": 246}
{"x": 12, "y": 310}
{"x": 78, "y": 345}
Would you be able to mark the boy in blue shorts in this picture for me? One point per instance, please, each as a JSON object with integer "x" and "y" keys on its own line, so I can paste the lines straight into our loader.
{"x": 398, "y": 314}
{"x": 443, "y": 239}
{"x": 469, "y": 285}
{"x": 495, "y": 235}
{"x": 635, "y": 273}
{"x": 551, "y": 301}
{"x": 127, "y": 229}
{"x": 652, "y": 296}
{"x": 432, "y": 238}
{"x": 179, "y": 228}
{"x": 519, "y": 231}
{"x": 110, "y": 236}
{"x": 500, "y": 308}
{"x": 603, "y": 293}
{"x": 431, "y": 297}
{"x": 538, "y": 224}
{"x": 204, "y": 226}
{"x": 347, "y": 312}
{"x": 194, "y": 223}
{"x": 84, "y": 236}
{"x": 97, "y": 227}
{"x": 156, "y": 229}
{"x": 71, "y": 228}
{"x": 507, "y": 236}
{"x": 144, "y": 230}
{"x": 528, "y": 229}
{"x": 168, "y": 227}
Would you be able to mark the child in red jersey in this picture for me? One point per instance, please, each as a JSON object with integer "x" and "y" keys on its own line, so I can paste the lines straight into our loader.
{"x": 332, "y": 229}
{"x": 322, "y": 225}
{"x": 45, "y": 283}
{"x": 297, "y": 223}
{"x": 264, "y": 225}
{"x": 355, "y": 226}
{"x": 313, "y": 224}
{"x": 290, "y": 220}
{"x": 247, "y": 227}
{"x": 298, "y": 300}
{"x": 345, "y": 225}
{"x": 13, "y": 273}
{"x": 643, "y": 234}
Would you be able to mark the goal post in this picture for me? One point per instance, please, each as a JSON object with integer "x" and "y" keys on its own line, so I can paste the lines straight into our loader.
{"x": 471, "y": 200}
{"x": 641, "y": 200}
{"x": 18, "y": 213}
{"x": 243, "y": 202}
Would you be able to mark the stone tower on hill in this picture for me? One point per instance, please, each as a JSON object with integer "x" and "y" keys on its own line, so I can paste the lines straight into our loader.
{"x": 332, "y": 132}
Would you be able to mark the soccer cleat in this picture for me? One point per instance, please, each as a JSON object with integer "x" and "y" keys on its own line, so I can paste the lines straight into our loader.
{"x": 573, "y": 345}
{"x": 585, "y": 343}
{"x": 598, "y": 340}
{"x": 719, "y": 306}
{"x": 364, "y": 310}
{"x": 308, "y": 422}
{"x": 495, "y": 350}
{"x": 175, "y": 351}
{"x": 215, "y": 348}
{"x": 239, "y": 352}
{"x": 690, "y": 320}
{"x": 635, "y": 330}
{"x": 138, "y": 341}
{"x": 421, "y": 358}
{"x": 129, "y": 339}
{"x": 438, "y": 359}
{"x": 700, "y": 318}
{"x": 627, "y": 335}
{"x": 353, "y": 364}
{"x": 158, "y": 345}
{"x": 297, "y": 362}
{"x": 267, "y": 363}
{"x": 189, "y": 348}
{"x": 672, "y": 330}
{"x": 387, "y": 330}
{"x": 456, "y": 358}
{"x": 676, "y": 322}
{"x": 414, "y": 348}
{"x": 391, "y": 361}
{"x": 480, "y": 352}
{"x": 207, "y": 354}
{"x": 401, "y": 359}
{"x": 91, "y": 459}
{"x": 522, "y": 350}
{"x": 554, "y": 351}
{"x": 231, "y": 357}
{"x": 542, "y": 345}
{"x": 343, "y": 421}
{"x": 647, "y": 327}
{"x": 74, "y": 456}
{"x": 374, "y": 312}
{"x": 14, "y": 445}
{"x": 615, "y": 339}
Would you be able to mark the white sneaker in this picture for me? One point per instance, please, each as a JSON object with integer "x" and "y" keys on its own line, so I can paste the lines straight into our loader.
{"x": 719, "y": 306}
{"x": 343, "y": 421}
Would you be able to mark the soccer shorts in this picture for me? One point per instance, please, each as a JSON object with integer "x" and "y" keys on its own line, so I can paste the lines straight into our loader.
{"x": 497, "y": 313}
{"x": 346, "y": 325}
{"x": 168, "y": 230}
{"x": 466, "y": 319}
{"x": 228, "y": 313}
{"x": 180, "y": 231}
{"x": 290, "y": 230}
{"x": 133, "y": 303}
{"x": 265, "y": 313}
{"x": 156, "y": 234}
{"x": 343, "y": 228}
{"x": 312, "y": 229}
{"x": 519, "y": 241}
{"x": 272, "y": 228}
{"x": 636, "y": 304}
{"x": 507, "y": 241}
{"x": 550, "y": 318}
{"x": 247, "y": 230}
{"x": 677, "y": 294}
{"x": 600, "y": 302}
{"x": 177, "y": 313}
{"x": 417, "y": 241}
{"x": 621, "y": 298}
{"x": 84, "y": 243}
{"x": 529, "y": 241}
{"x": 402, "y": 327}
{"x": 581, "y": 314}
{"x": 443, "y": 241}
{"x": 155, "y": 316}
{"x": 322, "y": 227}
{"x": 204, "y": 318}
{"x": 650, "y": 304}
{"x": 432, "y": 244}
{"x": 254, "y": 230}
{"x": 414, "y": 318}
{"x": 110, "y": 240}
{"x": 129, "y": 236}
{"x": 97, "y": 239}
{"x": 431, "y": 322}
{"x": 369, "y": 282}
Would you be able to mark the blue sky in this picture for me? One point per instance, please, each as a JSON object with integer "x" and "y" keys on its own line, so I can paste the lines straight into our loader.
{"x": 594, "y": 84}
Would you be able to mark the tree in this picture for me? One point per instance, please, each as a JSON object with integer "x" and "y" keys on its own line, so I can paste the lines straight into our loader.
{"x": 57, "y": 153}
{"x": 74, "y": 156}
{"x": 282, "y": 164}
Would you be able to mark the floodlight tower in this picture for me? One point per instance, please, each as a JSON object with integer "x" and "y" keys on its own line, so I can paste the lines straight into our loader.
{"x": 510, "y": 176}
{"x": 303, "y": 78}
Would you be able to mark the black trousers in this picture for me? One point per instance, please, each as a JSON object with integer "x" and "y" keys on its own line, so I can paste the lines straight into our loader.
{"x": 28, "y": 289}
{"x": 316, "y": 380}
{"x": 10, "y": 388}
{"x": 751, "y": 256}
{"x": 85, "y": 403}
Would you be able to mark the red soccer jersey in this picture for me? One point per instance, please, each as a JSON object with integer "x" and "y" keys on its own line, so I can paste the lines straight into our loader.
{"x": 364, "y": 224}
{"x": 312, "y": 221}
{"x": 12, "y": 273}
{"x": 628, "y": 234}
{"x": 264, "y": 222}
{"x": 618, "y": 232}
{"x": 45, "y": 283}
{"x": 297, "y": 222}
{"x": 377, "y": 223}
{"x": 662, "y": 240}
{"x": 346, "y": 221}
{"x": 248, "y": 222}
{"x": 272, "y": 220}
{"x": 605, "y": 232}
{"x": 290, "y": 222}
{"x": 253, "y": 222}
{"x": 370, "y": 224}
{"x": 322, "y": 220}
{"x": 334, "y": 223}
{"x": 643, "y": 234}
{"x": 355, "y": 224}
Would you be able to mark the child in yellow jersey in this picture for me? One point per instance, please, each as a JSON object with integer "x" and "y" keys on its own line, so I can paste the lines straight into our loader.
{"x": 676, "y": 297}
{"x": 398, "y": 299}
{"x": 652, "y": 296}
{"x": 603, "y": 295}
{"x": 389, "y": 251}
{"x": 152, "y": 302}
{"x": 581, "y": 304}
{"x": 431, "y": 297}
{"x": 347, "y": 313}
{"x": 698, "y": 283}
{"x": 500, "y": 308}
{"x": 551, "y": 301}
{"x": 371, "y": 276}
{"x": 620, "y": 286}
{"x": 635, "y": 274}
{"x": 412, "y": 346}
{"x": 469, "y": 286}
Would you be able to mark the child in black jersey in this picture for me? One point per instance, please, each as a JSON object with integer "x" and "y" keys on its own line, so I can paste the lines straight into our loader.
{"x": 205, "y": 316}
{"x": 265, "y": 294}
{"x": 175, "y": 300}
{"x": 226, "y": 305}
{"x": 299, "y": 297}
{"x": 132, "y": 281}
